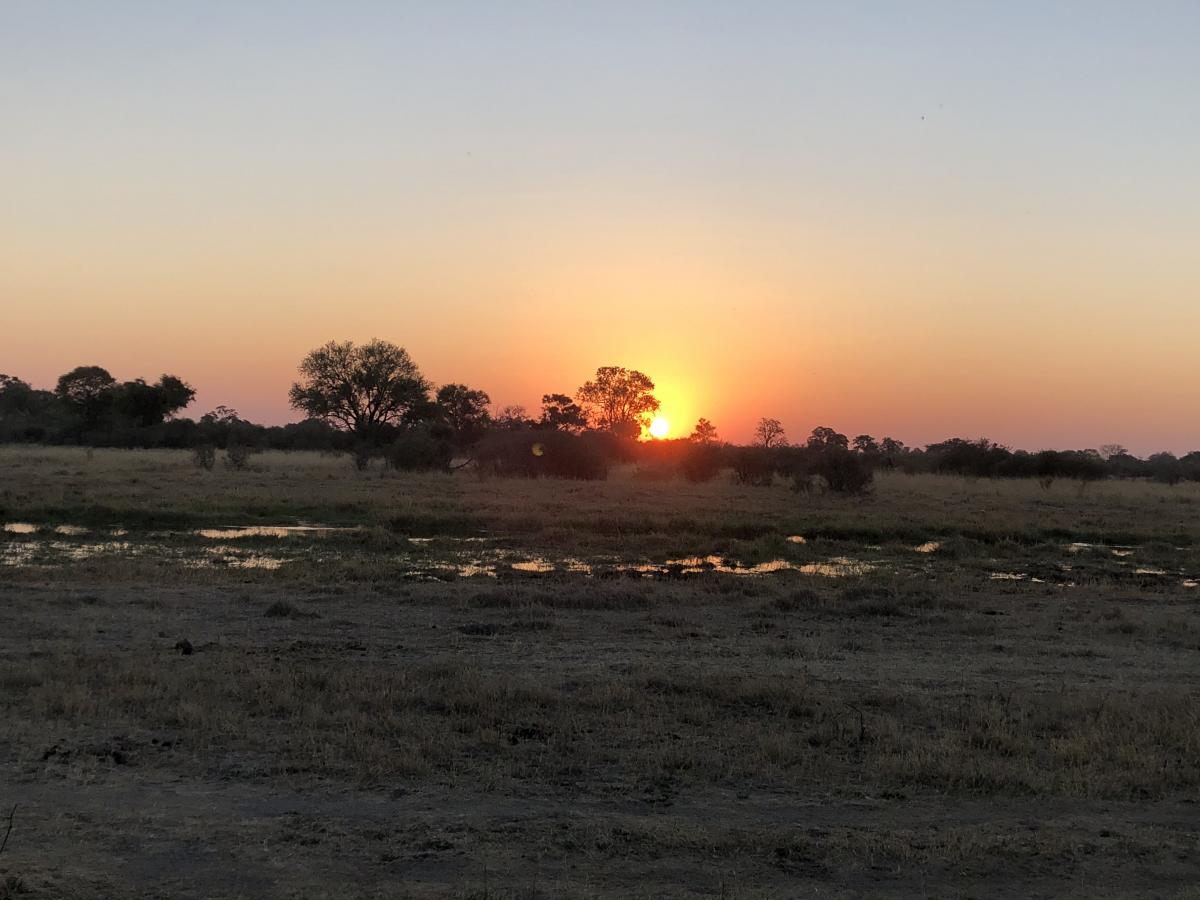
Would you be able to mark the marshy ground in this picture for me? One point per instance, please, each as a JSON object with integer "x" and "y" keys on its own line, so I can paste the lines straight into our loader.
{"x": 639, "y": 687}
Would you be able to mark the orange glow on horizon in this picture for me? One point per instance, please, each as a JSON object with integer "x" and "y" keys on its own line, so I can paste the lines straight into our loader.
{"x": 659, "y": 428}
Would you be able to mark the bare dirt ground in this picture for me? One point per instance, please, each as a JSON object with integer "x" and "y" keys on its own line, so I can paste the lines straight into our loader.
{"x": 1007, "y": 716}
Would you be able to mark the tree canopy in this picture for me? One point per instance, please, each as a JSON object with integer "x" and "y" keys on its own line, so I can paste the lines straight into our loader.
{"x": 360, "y": 389}
{"x": 705, "y": 432}
{"x": 618, "y": 400}
{"x": 88, "y": 390}
{"x": 464, "y": 411}
{"x": 770, "y": 433}
{"x": 561, "y": 413}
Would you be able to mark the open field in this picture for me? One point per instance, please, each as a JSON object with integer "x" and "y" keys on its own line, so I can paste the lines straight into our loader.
{"x": 496, "y": 688}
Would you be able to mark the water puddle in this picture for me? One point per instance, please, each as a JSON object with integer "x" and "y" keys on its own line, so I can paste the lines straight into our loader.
{"x": 235, "y": 532}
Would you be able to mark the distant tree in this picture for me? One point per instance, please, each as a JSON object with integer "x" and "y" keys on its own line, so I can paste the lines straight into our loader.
{"x": 1165, "y": 468}
{"x": 221, "y": 415}
{"x": 151, "y": 404}
{"x": 15, "y": 395}
{"x": 891, "y": 446}
{"x": 88, "y": 391}
{"x": 823, "y": 438}
{"x": 1108, "y": 451}
{"x": 361, "y": 389}
{"x": 513, "y": 418}
{"x": 464, "y": 411}
{"x": 864, "y": 443}
{"x": 704, "y": 433}
{"x": 770, "y": 433}
{"x": 1190, "y": 465}
{"x": 561, "y": 413}
{"x": 618, "y": 400}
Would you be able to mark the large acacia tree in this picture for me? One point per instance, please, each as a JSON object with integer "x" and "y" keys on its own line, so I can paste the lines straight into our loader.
{"x": 618, "y": 400}
{"x": 360, "y": 389}
{"x": 464, "y": 411}
{"x": 89, "y": 392}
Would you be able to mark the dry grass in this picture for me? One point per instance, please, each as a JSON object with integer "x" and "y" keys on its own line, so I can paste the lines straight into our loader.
{"x": 339, "y": 730}
{"x": 162, "y": 487}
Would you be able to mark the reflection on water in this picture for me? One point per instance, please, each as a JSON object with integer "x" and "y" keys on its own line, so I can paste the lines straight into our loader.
{"x": 17, "y": 554}
{"x": 236, "y": 558}
{"x": 34, "y": 545}
{"x": 234, "y": 532}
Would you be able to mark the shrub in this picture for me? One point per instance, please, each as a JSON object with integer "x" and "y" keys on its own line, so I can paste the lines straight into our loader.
{"x": 754, "y": 466}
{"x": 204, "y": 456}
{"x": 237, "y": 456}
{"x": 844, "y": 472}
{"x": 701, "y": 462}
{"x": 419, "y": 450}
{"x": 361, "y": 457}
{"x": 538, "y": 453}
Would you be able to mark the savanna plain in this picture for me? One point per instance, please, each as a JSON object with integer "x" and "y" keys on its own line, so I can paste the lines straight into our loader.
{"x": 296, "y": 680}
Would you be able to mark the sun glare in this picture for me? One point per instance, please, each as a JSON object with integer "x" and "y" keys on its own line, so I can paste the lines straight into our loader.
{"x": 659, "y": 428}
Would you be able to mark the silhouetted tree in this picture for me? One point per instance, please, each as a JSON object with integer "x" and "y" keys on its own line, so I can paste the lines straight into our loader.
{"x": 221, "y": 415}
{"x": 513, "y": 418}
{"x": 705, "y": 432}
{"x": 464, "y": 411}
{"x": 1165, "y": 468}
{"x": 892, "y": 447}
{"x": 15, "y": 395}
{"x": 618, "y": 400}
{"x": 561, "y": 413}
{"x": 88, "y": 391}
{"x": 823, "y": 438}
{"x": 361, "y": 389}
{"x": 866, "y": 444}
{"x": 770, "y": 433}
{"x": 151, "y": 404}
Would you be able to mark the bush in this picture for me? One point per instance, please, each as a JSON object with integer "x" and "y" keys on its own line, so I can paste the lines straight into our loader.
{"x": 204, "y": 456}
{"x": 537, "y": 453}
{"x": 362, "y": 456}
{"x": 844, "y": 472}
{"x": 237, "y": 456}
{"x": 419, "y": 450}
{"x": 702, "y": 462}
{"x": 754, "y": 466}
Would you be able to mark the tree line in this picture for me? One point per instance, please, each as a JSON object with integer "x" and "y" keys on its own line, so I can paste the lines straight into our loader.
{"x": 372, "y": 400}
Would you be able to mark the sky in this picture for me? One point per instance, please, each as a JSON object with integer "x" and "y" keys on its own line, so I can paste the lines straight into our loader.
{"x": 919, "y": 219}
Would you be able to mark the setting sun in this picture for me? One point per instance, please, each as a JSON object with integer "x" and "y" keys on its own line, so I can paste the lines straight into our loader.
{"x": 659, "y": 427}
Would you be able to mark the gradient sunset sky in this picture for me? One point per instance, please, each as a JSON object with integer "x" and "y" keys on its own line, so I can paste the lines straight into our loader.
{"x": 919, "y": 219}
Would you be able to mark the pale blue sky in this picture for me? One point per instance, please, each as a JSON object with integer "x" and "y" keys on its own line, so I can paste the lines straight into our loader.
{"x": 900, "y": 189}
